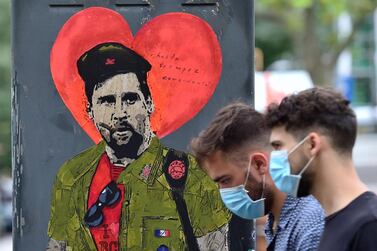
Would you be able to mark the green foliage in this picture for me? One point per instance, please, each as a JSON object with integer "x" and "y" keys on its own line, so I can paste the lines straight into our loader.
{"x": 5, "y": 137}
{"x": 301, "y": 3}
{"x": 274, "y": 46}
{"x": 310, "y": 26}
{"x": 327, "y": 11}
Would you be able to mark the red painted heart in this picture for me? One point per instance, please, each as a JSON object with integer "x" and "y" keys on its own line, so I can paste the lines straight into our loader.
{"x": 183, "y": 50}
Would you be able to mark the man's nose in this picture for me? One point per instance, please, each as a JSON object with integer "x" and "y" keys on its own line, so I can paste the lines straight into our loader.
{"x": 120, "y": 111}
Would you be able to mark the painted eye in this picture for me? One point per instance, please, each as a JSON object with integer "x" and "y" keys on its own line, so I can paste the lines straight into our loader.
{"x": 131, "y": 98}
{"x": 131, "y": 101}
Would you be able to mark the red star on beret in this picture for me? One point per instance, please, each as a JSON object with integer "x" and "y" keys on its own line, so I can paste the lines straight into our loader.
{"x": 110, "y": 61}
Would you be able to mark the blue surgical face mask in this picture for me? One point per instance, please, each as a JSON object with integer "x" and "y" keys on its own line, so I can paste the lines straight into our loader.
{"x": 280, "y": 170}
{"x": 237, "y": 200}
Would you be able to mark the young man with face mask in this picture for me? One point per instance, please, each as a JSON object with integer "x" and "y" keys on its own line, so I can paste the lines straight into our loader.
{"x": 233, "y": 150}
{"x": 314, "y": 132}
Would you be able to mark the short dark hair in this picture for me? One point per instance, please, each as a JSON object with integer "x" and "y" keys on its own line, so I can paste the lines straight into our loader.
{"x": 106, "y": 60}
{"x": 321, "y": 109}
{"x": 235, "y": 129}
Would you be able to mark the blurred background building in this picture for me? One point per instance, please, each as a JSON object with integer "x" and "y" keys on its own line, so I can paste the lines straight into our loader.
{"x": 300, "y": 43}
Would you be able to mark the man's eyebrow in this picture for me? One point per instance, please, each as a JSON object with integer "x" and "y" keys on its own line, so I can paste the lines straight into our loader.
{"x": 108, "y": 98}
{"x": 130, "y": 94}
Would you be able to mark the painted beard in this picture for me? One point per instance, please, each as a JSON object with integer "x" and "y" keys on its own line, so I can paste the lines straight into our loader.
{"x": 124, "y": 140}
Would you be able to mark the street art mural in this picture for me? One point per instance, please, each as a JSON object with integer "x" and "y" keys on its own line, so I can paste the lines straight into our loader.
{"x": 128, "y": 191}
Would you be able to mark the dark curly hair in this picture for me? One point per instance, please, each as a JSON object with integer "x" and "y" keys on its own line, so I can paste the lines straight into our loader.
{"x": 317, "y": 109}
{"x": 234, "y": 130}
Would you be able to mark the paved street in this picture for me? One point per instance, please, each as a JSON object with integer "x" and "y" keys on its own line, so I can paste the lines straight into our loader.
{"x": 365, "y": 158}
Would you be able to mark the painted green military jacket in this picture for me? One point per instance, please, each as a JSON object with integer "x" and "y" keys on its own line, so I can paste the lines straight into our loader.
{"x": 147, "y": 203}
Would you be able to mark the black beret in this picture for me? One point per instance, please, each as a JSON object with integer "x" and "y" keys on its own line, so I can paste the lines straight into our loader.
{"x": 109, "y": 59}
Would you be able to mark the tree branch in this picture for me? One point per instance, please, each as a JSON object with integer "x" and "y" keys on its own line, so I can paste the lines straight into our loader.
{"x": 347, "y": 41}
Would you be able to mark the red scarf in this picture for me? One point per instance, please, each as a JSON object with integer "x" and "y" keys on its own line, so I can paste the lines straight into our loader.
{"x": 106, "y": 235}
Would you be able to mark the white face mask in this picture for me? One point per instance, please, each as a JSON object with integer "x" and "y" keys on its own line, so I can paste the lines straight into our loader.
{"x": 280, "y": 170}
{"x": 237, "y": 200}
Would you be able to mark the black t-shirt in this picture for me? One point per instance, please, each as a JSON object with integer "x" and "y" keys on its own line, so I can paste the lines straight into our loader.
{"x": 353, "y": 227}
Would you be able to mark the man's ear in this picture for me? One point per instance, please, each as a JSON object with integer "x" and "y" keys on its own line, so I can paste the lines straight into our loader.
{"x": 149, "y": 104}
{"x": 89, "y": 110}
{"x": 259, "y": 162}
{"x": 314, "y": 143}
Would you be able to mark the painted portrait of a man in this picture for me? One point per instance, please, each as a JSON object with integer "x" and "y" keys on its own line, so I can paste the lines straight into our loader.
{"x": 129, "y": 191}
